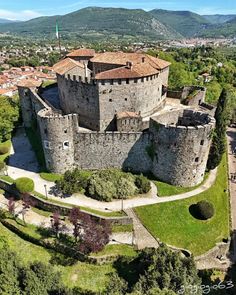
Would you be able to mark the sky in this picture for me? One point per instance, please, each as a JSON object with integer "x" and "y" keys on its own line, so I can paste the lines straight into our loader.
{"x": 27, "y": 9}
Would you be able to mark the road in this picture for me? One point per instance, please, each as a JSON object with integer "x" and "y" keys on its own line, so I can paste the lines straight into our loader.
{"x": 231, "y": 140}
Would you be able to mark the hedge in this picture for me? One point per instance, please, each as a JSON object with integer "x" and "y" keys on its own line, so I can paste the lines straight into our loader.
{"x": 24, "y": 185}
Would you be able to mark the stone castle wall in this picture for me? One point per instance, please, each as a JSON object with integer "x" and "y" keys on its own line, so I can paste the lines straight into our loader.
{"x": 57, "y": 134}
{"x": 98, "y": 150}
{"x": 142, "y": 95}
{"x": 31, "y": 104}
{"x": 181, "y": 152}
{"x": 97, "y": 102}
{"x": 80, "y": 95}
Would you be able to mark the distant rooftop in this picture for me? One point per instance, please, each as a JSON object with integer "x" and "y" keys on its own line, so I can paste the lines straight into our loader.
{"x": 65, "y": 65}
{"x": 82, "y": 52}
{"x": 29, "y": 83}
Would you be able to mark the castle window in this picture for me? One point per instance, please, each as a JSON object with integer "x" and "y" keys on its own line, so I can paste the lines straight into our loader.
{"x": 127, "y": 81}
{"x": 66, "y": 145}
{"x": 126, "y": 99}
{"x": 142, "y": 79}
{"x": 103, "y": 82}
{"x": 45, "y": 131}
{"x": 197, "y": 159}
{"x": 147, "y": 79}
{"x": 110, "y": 90}
{"x": 135, "y": 80}
{"x": 112, "y": 82}
{"x": 65, "y": 130}
{"x": 110, "y": 100}
{"x": 151, "y": 77}
{"x": 202, "y": 142}
{"x": 119, "y": 81}
{"x": 47, "y": 144}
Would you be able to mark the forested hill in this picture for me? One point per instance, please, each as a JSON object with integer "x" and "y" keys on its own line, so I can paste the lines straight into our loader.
{"x": 186, "y": 23}
{"x": 96, "y": 23}
{"x": 227, "y": 29}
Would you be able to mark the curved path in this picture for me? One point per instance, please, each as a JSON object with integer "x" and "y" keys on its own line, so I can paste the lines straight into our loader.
{"x": 22, "y": 163}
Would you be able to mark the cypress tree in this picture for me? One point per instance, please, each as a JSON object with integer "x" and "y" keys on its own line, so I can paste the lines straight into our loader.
{"x": 218, "y": 145}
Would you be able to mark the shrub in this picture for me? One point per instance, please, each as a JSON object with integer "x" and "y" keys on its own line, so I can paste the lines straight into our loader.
{"x": 203, "y": 210}
{"x": 4, "y": 150}
{"x": 24, "y": 185}
{"x": 73, "y": 181}
{"x": 2, "y": 165}
{"x": 143, "y": 184}
{"x": 100, "y": 189}
{"x": 109, "y": 184}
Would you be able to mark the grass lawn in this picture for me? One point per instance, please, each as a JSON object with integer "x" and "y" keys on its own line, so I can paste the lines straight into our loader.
{"x": 8, "y": 145}
{"x": 83, "y": 275}
{"x": 165, "y": 189}
{"x": 122, "y": 228}
{"x": 172, "y": 223}
{"x": 120, "y": 249}
{"x": 52, "y": 177}
{"x": 7, "y": 178}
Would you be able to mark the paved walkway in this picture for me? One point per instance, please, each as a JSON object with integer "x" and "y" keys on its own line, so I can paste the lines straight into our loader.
{"x": 142, "y": 237}
{"x": 231, "y": 139}
{"x": 36, "y": 219}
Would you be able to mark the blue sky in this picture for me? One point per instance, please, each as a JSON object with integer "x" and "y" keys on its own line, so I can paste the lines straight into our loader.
{"x": 27, "y": 9}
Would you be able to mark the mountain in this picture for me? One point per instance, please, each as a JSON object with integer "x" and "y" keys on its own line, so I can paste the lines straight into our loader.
{"x": 97, "y": 23}
{"x": 225, "y": 30}
{"x": 219, "y": 18}
{"x": 6, "y": 21}
{"x": 186, "y": 23}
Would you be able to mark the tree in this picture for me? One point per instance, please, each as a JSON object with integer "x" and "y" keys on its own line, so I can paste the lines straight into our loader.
{"x": 11, "y": 206}
{"x": 95, "y": 234}
{"x": 27, "y": 203}
{"x": 158, "y": 271}
{"x": 74, "y": 217}
{"x": 56, "y": 223}
{"x": 9, "y": 114}
{"x": 218, "y": 145}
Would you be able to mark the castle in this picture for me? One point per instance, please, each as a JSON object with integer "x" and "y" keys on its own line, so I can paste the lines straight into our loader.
{"x": 111, "y": 110}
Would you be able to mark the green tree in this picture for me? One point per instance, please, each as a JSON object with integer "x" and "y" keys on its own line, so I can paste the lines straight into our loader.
{"x": 219, "y": 142}
{"x": 9, "y": 114}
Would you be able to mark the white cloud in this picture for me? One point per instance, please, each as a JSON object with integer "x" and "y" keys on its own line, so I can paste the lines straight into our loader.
{"x": 19, "y": 15}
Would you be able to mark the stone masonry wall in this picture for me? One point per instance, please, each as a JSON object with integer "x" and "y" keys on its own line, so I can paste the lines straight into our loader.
{"x": 113, "y": 149}
{"x": 133, "y": 95}
{"x": 57, "y": 134}
{"x": 180, "y": 152}
{"x": 31, "y": 104}
{"x": 79, "y": 97}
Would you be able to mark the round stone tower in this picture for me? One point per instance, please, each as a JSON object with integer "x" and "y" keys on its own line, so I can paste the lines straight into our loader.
{"x": 181, "y": 144}
{"x": 57, "y": 134}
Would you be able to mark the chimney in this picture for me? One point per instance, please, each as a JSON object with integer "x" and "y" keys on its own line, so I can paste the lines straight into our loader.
{"x": 129, "y": 64}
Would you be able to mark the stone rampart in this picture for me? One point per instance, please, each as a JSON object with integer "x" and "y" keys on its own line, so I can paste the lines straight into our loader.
{"x": 100, "y": 150}
{"x": 181, "y": 141}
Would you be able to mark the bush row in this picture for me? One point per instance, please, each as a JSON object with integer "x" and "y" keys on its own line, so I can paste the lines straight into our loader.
{"x": 104, "y": 185}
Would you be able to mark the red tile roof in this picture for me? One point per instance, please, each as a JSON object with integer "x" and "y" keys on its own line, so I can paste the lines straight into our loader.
{"x": 82, "y": 52}
{"x": 121, "y": 58}
{"x": 135, "y": 71}
{"x": 65, "y": 65}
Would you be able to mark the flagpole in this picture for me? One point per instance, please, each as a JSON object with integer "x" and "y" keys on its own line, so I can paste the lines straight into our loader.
{"x": 59, "y": 38}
